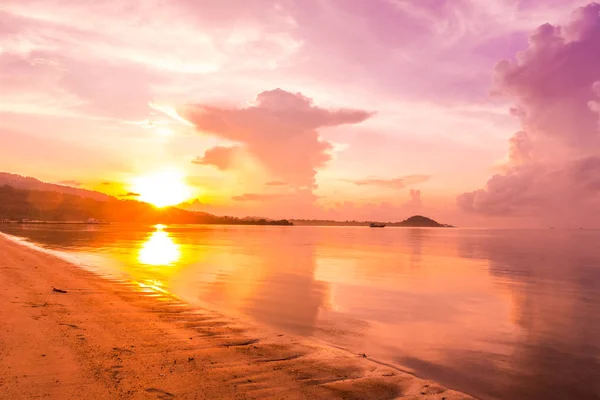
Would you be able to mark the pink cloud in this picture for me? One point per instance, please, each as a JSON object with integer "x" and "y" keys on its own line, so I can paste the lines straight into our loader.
{"x": 415, "y": 199}
{"x": 122, "y": 91}
{"x": 397, "y": 183}
{"x": 219, "y": 156}
{"x": 116, "y": 67}
{"x": 45, "y": 58}
{"x": 554, "y": 162}
{"x": 381, "y": 211}
{"x": 520, "y": 148}
{"x": 280, "y": 130}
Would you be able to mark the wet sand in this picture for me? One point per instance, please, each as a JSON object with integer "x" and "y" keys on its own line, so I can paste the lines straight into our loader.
{"x": 107, "y": 339}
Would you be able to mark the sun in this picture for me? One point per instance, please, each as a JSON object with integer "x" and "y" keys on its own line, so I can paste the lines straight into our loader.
{"x": 163, "y": 188}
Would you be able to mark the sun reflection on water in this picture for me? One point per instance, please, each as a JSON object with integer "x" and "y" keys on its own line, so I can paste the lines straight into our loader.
{"x": 159, "y": 249}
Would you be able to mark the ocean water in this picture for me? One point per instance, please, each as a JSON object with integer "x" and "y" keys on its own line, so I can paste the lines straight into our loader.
{"x": 499, "y": 314}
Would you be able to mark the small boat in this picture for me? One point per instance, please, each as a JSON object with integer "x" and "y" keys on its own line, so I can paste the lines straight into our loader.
{"x": 376, "y": 225}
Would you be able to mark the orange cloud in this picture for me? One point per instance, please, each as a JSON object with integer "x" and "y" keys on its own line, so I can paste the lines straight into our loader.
{"x": 69, "y": 183}
{"x": 276, "y": 183}
{"x": 219, "y": 156}
{"x": 258, "y": 197}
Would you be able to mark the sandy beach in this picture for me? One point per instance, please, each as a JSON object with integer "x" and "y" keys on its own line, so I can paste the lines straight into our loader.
{"x": 98, "y": 338}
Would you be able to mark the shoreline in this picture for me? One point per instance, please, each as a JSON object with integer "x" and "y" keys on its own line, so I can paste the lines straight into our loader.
{"x": 112, "y": 339}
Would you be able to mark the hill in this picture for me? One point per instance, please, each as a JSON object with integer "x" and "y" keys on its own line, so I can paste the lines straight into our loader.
{"x": 420, "y": 221}
{"x": 26, "y": 182}
{"x": 45, "y": 205}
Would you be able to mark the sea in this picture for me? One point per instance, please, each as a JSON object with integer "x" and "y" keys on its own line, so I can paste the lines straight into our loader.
{"x": 498, "y": 314}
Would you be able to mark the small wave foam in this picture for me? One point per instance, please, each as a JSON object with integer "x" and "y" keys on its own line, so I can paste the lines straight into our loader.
{"x": 70, "y": 258}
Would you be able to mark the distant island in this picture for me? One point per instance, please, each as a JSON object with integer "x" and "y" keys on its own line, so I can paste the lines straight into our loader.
{"x": 419, "y": 221}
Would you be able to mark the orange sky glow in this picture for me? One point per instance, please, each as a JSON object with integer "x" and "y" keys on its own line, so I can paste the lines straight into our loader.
{"x": 368, "y": 110}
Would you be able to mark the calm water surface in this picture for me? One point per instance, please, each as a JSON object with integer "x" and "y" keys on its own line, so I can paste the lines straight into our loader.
{"x": 495, "y": 313}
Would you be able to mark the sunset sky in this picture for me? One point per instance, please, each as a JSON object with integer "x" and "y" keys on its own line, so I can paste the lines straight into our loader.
{"x": 473, "y": 112}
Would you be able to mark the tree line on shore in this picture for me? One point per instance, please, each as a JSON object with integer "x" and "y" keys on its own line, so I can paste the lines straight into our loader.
{"x": 18, "y": 204}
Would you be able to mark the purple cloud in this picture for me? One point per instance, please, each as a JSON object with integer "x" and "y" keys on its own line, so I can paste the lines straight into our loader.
{"x": 554, "y": 162}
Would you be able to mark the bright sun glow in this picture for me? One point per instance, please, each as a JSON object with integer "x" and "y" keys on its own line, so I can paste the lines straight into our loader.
{"x": 159, "y": 249}
{"x": 164, "y": 188}
{"x": 163, "y": 131}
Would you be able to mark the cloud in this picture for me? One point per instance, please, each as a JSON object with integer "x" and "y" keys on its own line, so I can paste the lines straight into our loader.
{"x": 519, "y": 148}
{"x": 570, "y": 189}
{"x": 554, "y": 161}
{"x": 415, "y": 201}
{"x": 107, "y": 183}
{"x": 69, "y": 183}
{"x": 276, "y": 183}
{"x": 397, "y": 183}
{"x": 258, "y": 197}
{"x": 219, "y": 156}
{"x": 130, "y": 194}
{"x": 49, "y": 62}
{"x": 122, "y": 90}
{"x": 280, "y": 130}
{"x": 117, "y": 67}
{"x": 379, "y": 211}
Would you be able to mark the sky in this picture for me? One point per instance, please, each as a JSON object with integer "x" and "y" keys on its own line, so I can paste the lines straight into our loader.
{"x": 472, "y": 112}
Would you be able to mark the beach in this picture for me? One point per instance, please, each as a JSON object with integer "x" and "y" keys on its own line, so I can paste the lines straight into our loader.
{"x": 97, "y": 338}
